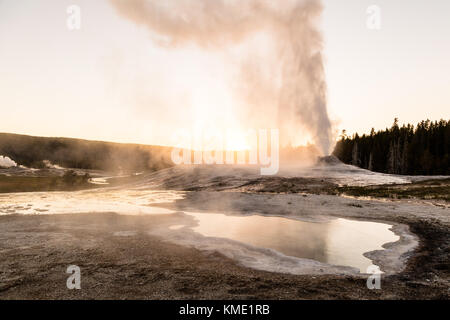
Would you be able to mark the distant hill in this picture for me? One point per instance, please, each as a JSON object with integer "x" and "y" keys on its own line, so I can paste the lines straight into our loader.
{"x": 83, "y": 154}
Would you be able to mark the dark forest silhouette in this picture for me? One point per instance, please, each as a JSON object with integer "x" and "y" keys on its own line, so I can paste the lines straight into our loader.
{"x": 420, "y": 150}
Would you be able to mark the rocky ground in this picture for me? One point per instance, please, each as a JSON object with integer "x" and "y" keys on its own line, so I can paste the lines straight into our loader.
{"x": 36, "y": 250}
{"x": 121, "y": 259}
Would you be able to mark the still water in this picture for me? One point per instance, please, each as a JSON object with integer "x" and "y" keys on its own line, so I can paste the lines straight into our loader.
{"x": 339, "y": 241}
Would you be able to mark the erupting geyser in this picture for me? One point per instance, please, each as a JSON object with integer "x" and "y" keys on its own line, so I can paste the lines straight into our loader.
{"x": 288, "y": 77}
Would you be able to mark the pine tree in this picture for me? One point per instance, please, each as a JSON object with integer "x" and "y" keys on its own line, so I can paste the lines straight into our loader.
{"x": 404, "y": 160}
{"x": 370, "y": 166}
{"x": 355, "y": 155}
{"x": 391, "y": 159}
{"x": 424, "y": 149}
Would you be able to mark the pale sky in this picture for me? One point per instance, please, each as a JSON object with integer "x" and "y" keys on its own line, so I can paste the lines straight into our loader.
{"x": 95, "y": 83}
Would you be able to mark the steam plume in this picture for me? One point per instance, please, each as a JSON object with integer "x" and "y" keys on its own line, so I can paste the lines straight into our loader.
{"x": 6, "y": 162}
{"x": 295, "y": 82}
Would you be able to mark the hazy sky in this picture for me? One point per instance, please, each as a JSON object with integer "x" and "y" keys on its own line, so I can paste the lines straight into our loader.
{"x": 108, "y": 81}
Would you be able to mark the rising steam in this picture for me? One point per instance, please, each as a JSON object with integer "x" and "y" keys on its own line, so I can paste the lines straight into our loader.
{"x": 6, "y": 162}
{"x": 289, "y": 79}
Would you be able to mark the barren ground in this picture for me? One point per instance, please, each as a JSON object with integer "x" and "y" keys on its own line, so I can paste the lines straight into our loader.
{"x": 118, "y": 264}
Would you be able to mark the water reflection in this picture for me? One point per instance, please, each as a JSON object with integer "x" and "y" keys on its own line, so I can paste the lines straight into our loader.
{"x": 339, "y": 241}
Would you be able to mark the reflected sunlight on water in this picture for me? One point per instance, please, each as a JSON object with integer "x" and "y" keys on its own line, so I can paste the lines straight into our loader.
{"x": 338, "y": 242}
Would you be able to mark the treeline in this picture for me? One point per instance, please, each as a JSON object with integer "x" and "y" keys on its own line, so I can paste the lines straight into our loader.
{"x": 420, "y": 150}
{"x": 83, "y": 154}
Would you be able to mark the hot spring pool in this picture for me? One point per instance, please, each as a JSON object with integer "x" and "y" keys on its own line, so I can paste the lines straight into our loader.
{"x": 340, "y": 242}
